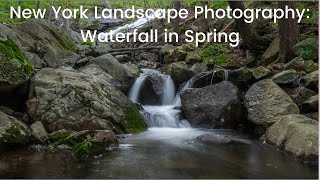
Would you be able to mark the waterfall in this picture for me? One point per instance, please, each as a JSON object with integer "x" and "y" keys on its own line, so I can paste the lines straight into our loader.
{"x": 226, "y": 75}
{"x": 135, "y": 89}
{"x": 168, "y": 114}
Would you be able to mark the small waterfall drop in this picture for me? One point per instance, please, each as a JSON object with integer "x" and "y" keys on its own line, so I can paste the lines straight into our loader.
{"x": 168, "y": 113}
{"x": 226, "y": 75}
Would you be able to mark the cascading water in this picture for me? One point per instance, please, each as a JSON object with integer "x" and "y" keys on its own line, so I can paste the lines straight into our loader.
{"x": 168, "y": 114}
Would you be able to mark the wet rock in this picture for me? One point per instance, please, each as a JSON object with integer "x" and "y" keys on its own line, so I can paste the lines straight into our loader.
{"x": 152, "y": 90}
{"x": 271, "y": 54}
{"x": 39, "y": 132}
{"x": 300, "y": 64}
{"x": 260, "y": 72}
{"x": 311, "y": 105}
{"x": 214, "y": 139}
{"x": 110, "y": 65}
{"x": 198, "y": 68}
{"x": 12, "y": 131}
{"x": 311, "y": 80}
{"x": 295, "y": 134}
{"x": 212, "y": 106}
{"x": 285, "y": 77}
{"x": 179, "y": 72}
{"x": 65, "y": 99}
{"x": 307, "y": 49}
{"x": 265, "y": 100}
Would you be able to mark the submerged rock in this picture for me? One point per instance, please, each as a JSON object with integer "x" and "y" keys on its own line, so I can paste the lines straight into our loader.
{"x": 265, "y": 100}
{"x": 65, "y": 99}
{"x": 212, "y": 106}
{"x": 297, "y": 135}
{"x": 214, "y": 139}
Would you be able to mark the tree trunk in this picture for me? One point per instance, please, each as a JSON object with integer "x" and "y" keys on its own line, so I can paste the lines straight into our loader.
{"x": 244, "y": 28}
{"x": 288, "y": 33}
{"x": 176, "y": 21}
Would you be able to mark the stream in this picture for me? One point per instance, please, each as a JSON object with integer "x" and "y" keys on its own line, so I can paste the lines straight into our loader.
{"x": 168, "y": 149}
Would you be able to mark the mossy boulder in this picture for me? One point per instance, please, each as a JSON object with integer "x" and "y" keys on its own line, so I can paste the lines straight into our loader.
{"x": 194, "y": 57}
{"x": 179, "y": 72}
{"x": 260, "y": 72}
{"x": 299, "y": 64}
{"x": 15, "y": 69}
{"x": 307, "y": 49}
{"x": 285, "y": 77}
{"x": 88, "y": 142}
{"x": 12, "y": 132}
{"x": 175, "y": 55}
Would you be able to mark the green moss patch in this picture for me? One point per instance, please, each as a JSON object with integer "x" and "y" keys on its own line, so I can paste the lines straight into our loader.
{"x": 12, "y": 51}
{"x": 134, "y": 123}
{"x": 13, "y": 136}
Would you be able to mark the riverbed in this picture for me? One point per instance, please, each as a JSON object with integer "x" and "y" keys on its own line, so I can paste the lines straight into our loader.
{"x": 162, "y": 153}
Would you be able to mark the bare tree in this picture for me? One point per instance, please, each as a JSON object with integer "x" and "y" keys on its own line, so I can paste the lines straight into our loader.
{"x": 288, "y": 33}
{"x": 244, "y": 29}
{"x": 176, "y": 21}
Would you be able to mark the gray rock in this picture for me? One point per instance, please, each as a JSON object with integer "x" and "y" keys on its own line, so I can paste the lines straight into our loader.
{"x": 13, "y": 131}
{"x": 285, "y": 77}
{"x": 64, "y": 99}
{"x": 56, "y": 58}
{"x": 212, "y": 106}
{"x": 265, "y": 100}
{"x": 110, "y": 65}
{"x": 296, "y": 134}
{"x": 39, "y": 132}
{"x": 311, "y": 80}
{"x": 179, "y": 72}
{"x": 299, "y": 64}
{"x": 260, "y": 72}
{"x": 214, "y": 139}
{"x": 148, "y": 57}
{"x": 311, "y": 105}
{"x": 198, "y": 68}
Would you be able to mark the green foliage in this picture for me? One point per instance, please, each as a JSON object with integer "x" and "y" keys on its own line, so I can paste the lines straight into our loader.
{"x": 216, "y": 53}
{"x": 13, "y": 136}
{"x": 12, "y": 51}
{"x": 89, "y": 43}
{"x": 82, "y": 150}
{"x": 60, "y": 136}
{"x": 133, "y": 121}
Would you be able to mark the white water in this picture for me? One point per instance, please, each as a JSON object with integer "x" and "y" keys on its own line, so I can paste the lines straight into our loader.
{"x": 168, "y": 114}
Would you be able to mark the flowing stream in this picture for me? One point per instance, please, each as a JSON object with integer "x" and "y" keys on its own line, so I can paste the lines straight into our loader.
{"x": 168, "y": 149}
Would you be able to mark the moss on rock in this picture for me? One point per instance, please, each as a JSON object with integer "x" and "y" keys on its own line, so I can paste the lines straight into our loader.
{"x": 134, "y": 123}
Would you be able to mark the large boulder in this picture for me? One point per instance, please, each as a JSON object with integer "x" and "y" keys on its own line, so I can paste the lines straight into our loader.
{"x": 212, "y": 106}
{"x": 66, "y": 99}
{"x": 307, "y": 49}
{"x": 152, "y": 90}
{"x": 265, "y": 100}
{"x": 296, "y": 134}
{"x": 15, "y": 69}
{"x": 12, "y": 131}
{"x": 110, "y": 65}
{"x": 56, "y": 58}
